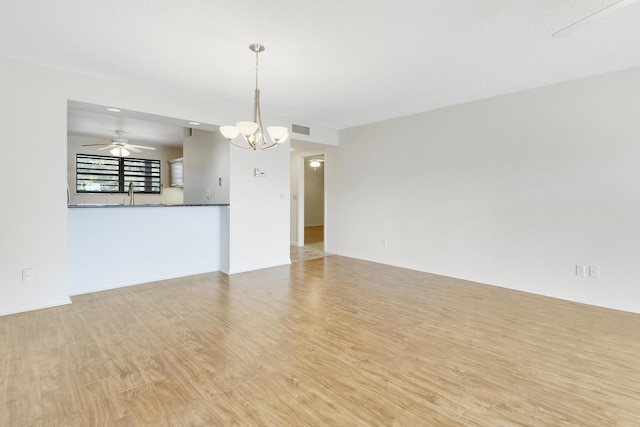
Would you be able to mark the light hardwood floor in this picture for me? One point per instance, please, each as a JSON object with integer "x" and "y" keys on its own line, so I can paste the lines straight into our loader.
{"x": 314, "y": 234}
{"x": 332, "y": 341}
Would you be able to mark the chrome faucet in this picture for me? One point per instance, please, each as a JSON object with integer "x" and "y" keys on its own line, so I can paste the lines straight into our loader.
{"x": 131, "y": 201}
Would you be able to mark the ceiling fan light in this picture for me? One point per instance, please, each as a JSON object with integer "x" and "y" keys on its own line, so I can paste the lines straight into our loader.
{"x": 120, "y": 152}
{"x": 229, "y": 132}
{"x": 279, "y": 134}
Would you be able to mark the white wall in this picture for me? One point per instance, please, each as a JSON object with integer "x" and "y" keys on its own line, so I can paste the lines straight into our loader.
{"x": 259, "y": 209}
{"x": 220, "y": 169}
{"x": 294, "y": 197}
{"x": 33, "y": 107}
{"x": 512, "y": 191}
{"x": 34, "y": 225}
{"x": 206, "y": 159}
{"x": 122, "y": 246}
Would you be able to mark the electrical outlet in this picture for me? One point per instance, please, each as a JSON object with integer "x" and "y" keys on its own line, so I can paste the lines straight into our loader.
{"x": 594, "y": 271}
{"x": 581, "y": 270}
{"x": 208, "y": 193}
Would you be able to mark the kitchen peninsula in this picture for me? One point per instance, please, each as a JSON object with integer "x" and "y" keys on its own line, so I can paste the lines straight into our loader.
{"x": 133, "y": 244}
{"x": 142, "y": 205}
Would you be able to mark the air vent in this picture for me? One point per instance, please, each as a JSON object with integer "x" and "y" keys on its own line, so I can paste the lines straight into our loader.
{"x": 300, "y": 129}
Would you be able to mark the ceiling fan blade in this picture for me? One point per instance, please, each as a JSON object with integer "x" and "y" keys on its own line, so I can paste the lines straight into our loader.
{"x": 105, "y": 148}
{"x": 93, "y": 145}
{"x": 598, "y": 14}
{"x": 132, "y": 148}
{"x": 142, "y": 146}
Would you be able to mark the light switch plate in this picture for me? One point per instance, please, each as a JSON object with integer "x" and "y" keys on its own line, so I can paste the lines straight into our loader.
{"x": 28, "y": 275}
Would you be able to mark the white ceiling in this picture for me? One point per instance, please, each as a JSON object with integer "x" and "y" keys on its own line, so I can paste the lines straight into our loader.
{"x": 95, "y": 122}
{"x": 333, "y": 63}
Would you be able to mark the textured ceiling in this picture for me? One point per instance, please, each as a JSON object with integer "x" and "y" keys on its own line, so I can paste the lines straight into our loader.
{"x": 333, "y": 63}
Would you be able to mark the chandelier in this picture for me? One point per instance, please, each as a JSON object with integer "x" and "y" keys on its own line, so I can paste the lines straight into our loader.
{"x": 252, "y": 132}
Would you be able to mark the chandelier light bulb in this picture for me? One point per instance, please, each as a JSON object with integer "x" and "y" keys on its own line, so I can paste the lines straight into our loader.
{"x": 229, "y": 132}
{"x": 247, "y": 128}
{"x": 278, "y": 133}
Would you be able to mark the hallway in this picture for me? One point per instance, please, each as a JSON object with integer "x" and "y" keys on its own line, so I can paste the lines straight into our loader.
{"x": 313, "y": 245}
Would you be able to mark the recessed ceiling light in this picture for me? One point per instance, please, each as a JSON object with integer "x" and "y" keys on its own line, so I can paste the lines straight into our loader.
{"x": 114, "y": 110}
{"x": 194, "y": 123}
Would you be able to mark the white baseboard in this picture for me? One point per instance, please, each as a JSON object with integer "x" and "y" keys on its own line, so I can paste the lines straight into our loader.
{"x": 40, "y": 307}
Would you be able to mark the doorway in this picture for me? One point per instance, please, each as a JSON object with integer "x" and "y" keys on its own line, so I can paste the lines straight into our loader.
{"x": 308, "y": 206}
{"x": 314, "y": 202}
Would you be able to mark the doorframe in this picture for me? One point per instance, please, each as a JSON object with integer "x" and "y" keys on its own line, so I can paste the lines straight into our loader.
{"x": 300, "y": 197}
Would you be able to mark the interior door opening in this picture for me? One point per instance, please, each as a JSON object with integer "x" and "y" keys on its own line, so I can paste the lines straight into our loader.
{"x": 314, "y": 201}
{"x": 308, "y": 206}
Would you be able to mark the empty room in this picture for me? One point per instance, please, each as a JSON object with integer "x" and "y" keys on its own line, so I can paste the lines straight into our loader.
{"x": 410, "y": 213}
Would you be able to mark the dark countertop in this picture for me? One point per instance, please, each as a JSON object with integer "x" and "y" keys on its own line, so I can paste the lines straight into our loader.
{"x": 142, "y": 205}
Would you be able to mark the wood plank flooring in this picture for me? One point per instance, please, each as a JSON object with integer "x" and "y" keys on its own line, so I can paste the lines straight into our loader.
{"x": 332, "y": 341}
{"x": 314, "y": 234}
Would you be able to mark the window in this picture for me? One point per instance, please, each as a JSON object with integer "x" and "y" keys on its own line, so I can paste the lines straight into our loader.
{"x": 106, "y": 174}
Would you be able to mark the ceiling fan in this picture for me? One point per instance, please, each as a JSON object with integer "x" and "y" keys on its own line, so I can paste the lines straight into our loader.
{"x": 597, "y": 14}
{"x": 120, "y": 146}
